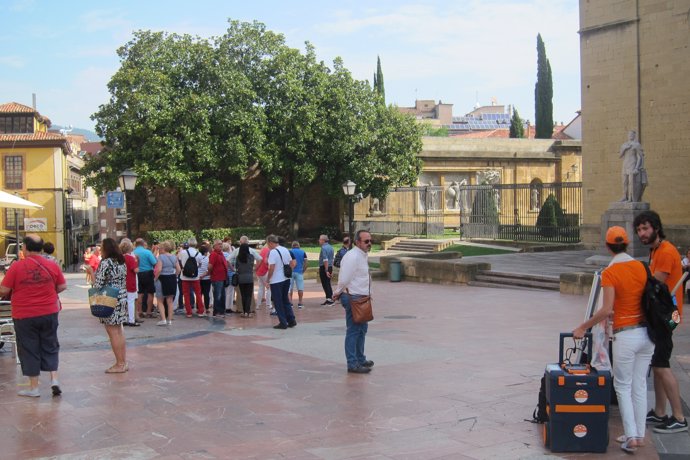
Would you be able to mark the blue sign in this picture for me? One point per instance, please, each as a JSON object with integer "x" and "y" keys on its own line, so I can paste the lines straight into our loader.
{"x": 115, "y": 200}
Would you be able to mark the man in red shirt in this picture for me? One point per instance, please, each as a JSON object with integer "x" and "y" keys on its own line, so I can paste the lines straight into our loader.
{"x": 665, "y": 265}
{"x": 35, "y": 284}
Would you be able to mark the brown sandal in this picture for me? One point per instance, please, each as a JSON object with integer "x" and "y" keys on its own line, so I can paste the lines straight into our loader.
{"x": 117, "y": 369}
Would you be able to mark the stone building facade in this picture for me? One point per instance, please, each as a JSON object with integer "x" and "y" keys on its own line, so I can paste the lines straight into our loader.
{"x": 635, "y": 62}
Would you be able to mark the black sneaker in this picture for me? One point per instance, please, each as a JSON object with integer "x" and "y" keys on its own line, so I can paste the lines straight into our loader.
{"x": 671, "y": 426}
{"x": 359, "y": 370}
{"x": 653, "y": 418}
{"x": 368, "y": 363}
{"x": 280, "y": 326}
{"x": 292, "y": 324}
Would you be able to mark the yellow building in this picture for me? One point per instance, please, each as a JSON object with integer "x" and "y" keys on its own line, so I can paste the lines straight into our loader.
{"x": 521, "y": 173}
{"x": 34, "y": 164}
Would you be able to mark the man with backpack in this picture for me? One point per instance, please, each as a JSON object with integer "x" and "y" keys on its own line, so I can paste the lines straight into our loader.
{"x": 342, "y": 251}
{"x": 190, "y": 260}
{"x": 665, "y": 265}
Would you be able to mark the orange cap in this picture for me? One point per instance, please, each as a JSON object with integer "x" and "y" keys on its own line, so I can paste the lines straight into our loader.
{"x": 616, "y": 235}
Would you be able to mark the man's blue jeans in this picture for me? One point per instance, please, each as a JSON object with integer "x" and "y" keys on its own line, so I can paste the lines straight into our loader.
{"x": 218, "y": 297}
{"x": 281, "y": 302}
{"x": 355, "y": 335}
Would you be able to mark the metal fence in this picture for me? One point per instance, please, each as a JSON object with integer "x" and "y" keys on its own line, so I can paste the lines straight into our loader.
{"x": 406, "y": 211}
{"x": 549, "y": 212}
{"x": 523, "y": 212}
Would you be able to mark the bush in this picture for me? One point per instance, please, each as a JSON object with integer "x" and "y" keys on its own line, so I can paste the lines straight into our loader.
{"x": 176, "y": 236}
{"x": 253, "y": 233}
{"x": 484, "y": 209}
{"x": 332, "y": 231}
{"x": 550, "y": 217}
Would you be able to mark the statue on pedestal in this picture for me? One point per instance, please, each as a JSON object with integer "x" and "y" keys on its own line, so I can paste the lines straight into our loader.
{"x": 633, "y": 173}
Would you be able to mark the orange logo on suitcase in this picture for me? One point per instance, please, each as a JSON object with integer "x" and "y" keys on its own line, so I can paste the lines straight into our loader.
{"x": 581, "y": 396}
{"x": 580, "y": 431}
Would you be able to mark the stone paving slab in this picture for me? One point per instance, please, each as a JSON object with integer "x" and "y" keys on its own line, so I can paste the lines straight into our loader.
{"x": 457, "y": 372}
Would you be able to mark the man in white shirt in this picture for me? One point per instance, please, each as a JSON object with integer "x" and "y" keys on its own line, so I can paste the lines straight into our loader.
{"x": 191, "y": 282}
{"x": 279, "y": 256}
{"x": 354, "y": 282}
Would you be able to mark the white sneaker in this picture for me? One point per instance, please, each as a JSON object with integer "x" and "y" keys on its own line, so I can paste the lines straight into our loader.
{"x": 162, "y": 323}
{"x": 300, "y": 306}
{"x": 169, "y": 322}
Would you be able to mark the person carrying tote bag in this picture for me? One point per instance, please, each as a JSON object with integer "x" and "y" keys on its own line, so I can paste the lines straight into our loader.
{"x": 112, "y": 272}
{"x": 354, "y": 290}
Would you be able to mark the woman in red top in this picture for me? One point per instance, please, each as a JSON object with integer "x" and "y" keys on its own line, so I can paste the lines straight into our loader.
{"x": 218, "y": 270}
{"x": 623, "y": 283}
{"x": 132, "y": 264}
{"x": 35, "y": 284}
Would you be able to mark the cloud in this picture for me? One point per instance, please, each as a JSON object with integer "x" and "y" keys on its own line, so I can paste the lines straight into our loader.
{"x": 14, "y": 62}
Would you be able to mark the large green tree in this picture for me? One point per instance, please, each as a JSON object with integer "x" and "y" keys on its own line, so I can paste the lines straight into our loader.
{"x": 543, "y": 94}
{"x": 517, "y": 130}
{"x": 196, "y": 114}
{"x": 180, "y": 114}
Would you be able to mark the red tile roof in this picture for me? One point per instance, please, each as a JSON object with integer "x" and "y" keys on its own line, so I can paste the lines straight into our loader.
{"x": 39, "y": 136}
{"x": 15, "y": 107}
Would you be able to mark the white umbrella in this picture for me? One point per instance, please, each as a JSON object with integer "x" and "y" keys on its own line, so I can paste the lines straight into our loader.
{"x": 7, "y": 200}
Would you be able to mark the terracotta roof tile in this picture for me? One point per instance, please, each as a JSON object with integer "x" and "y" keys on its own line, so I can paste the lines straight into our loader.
{"x": 15, "y": 107}
{"x": 39, "y": 136}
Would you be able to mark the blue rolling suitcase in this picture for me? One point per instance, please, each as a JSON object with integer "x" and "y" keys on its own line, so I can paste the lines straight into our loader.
{"x": 577, "y": 401}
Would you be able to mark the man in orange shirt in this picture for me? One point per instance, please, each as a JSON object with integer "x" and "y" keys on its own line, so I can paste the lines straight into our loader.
{"x": 665, "y": 265}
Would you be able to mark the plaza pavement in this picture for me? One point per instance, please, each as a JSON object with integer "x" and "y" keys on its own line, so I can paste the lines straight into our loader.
{"x": 457, "y": 373}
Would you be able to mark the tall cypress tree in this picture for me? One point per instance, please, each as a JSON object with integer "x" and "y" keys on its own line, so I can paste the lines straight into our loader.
{"x": 517, "y": 130}
{"x": 543, "y": 94}
{"x": 378, "y": 80}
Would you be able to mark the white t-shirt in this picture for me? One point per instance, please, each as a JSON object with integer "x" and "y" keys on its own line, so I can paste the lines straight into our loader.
{"x": 182, "y": 256}
{"x": 274, "y": 258}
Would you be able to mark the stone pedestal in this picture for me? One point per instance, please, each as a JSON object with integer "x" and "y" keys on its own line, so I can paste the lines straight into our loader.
{"x": 621, "y": 213}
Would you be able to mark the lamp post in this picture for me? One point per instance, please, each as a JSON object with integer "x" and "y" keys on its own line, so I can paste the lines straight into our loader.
{"x": 349, "y": 191}
{"x": 127, "y": 181}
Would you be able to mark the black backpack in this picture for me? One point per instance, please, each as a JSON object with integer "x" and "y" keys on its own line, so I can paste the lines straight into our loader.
{"x": 540, "y": 415}
{"x": 659, "y": 308}
{"x": 191, "y": 267}
{"x": 339, "y": 256}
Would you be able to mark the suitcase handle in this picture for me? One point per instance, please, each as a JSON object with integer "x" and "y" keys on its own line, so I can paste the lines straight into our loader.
{"x": 564, "y": 335}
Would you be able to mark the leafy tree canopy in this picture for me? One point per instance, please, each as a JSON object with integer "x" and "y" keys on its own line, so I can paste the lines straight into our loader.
{"x": 196, "y": 114}
{"x": 517, "y": 129}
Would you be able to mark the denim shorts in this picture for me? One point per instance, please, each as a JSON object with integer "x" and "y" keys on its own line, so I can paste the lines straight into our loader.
{"x": 298, "y": 280}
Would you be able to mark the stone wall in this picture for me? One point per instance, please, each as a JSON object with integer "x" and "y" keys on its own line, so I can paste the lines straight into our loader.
{"x": 634, "y": 67}
{"x": 249, "y": 203}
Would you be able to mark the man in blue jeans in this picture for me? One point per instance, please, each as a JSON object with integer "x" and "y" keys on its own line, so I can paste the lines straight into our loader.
{"x": 354, "y": 282}
{"x": 279, "y": 256}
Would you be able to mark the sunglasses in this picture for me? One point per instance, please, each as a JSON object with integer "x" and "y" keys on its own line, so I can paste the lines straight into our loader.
{"x": 366, "y": 241}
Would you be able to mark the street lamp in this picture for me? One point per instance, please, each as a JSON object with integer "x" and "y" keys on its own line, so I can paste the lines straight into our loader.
{"x": 349, "y": 191}
{"x": 128, "y": 182}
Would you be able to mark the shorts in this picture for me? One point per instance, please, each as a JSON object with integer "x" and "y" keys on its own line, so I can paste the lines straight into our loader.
{"x": 662, "y": 351}
{"x": 297, "y": 280}
{"x": 168, "y": 285}
{"x": 146, "y": 285}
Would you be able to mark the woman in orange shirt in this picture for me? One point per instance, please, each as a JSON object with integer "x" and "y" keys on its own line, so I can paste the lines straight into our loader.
{"x": 623, "y": 283}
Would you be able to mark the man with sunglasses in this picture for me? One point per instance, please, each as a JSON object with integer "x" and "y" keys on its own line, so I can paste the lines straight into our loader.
{"x": 354, "y": 281}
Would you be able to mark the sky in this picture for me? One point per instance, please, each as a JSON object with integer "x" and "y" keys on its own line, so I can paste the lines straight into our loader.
{"x": 461, "y": 53}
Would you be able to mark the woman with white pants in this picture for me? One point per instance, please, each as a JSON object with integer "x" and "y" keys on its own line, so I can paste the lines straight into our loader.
{"x": 623, "y": 283}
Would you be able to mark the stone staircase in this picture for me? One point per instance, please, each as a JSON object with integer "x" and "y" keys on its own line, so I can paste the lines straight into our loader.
{"x": 419, "y": 245}
{"x": 496, "y": 279}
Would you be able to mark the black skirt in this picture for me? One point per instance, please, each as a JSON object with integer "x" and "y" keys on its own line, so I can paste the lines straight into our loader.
{"x": 168, "y": 285}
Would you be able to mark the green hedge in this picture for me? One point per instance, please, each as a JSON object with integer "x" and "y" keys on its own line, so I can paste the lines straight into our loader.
{"x": 178, "y": 236}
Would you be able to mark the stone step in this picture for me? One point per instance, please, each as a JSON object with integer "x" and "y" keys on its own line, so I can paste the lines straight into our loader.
{"x": 419, "y": 245}
{"x": 546, "y": 285}
{"x": 501, "y": 286}
{"x": 517, "y": 280}
{"x": 520, "y": 276}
